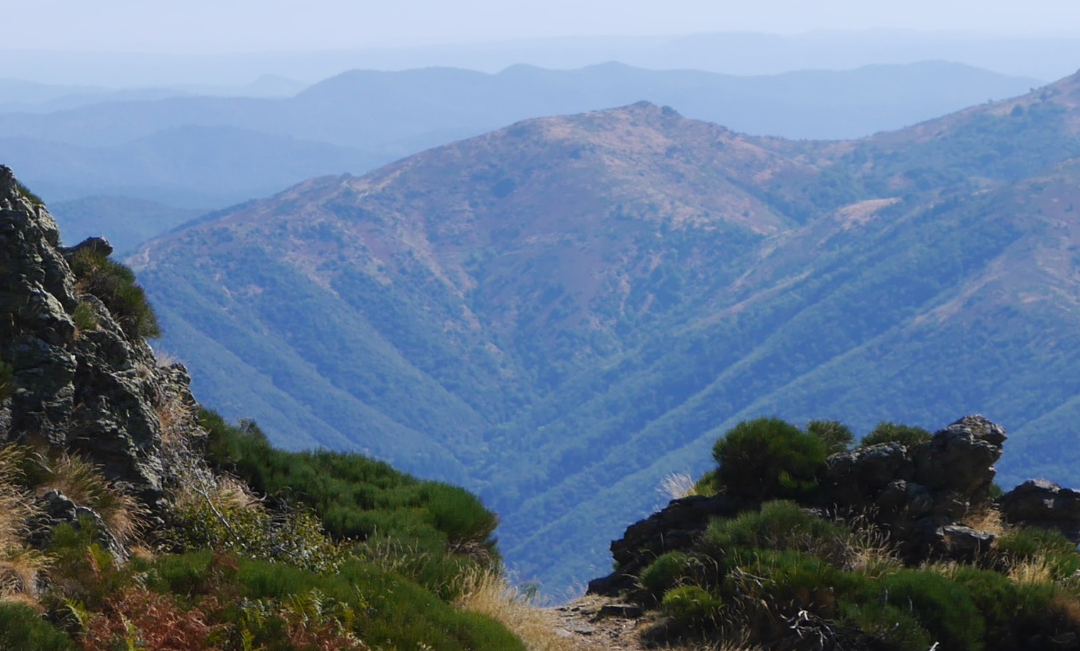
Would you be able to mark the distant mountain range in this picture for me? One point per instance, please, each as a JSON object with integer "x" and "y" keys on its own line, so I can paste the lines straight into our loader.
{"x": 201, "y": 152}
{"x": 733, "y": 53}
{"x": 561, "y": 312}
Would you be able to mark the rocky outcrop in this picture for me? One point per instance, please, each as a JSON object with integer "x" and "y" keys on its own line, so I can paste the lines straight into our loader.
{"x": 1040, "y": 503}
{"x": 918, "y": 494}
{"x": 669, "y": 529}
{"x": 81, "y": 384}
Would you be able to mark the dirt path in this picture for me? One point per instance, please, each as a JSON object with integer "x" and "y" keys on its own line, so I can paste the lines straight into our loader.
{"x": 597, "y": 623}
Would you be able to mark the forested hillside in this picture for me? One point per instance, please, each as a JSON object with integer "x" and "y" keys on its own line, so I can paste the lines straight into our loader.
{"x": 562, "y": 312}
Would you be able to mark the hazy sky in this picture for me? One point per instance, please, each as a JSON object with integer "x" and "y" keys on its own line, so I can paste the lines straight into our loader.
{"x": 251, "y": 25}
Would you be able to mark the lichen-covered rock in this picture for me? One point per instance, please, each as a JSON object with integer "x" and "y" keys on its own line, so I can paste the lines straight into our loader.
{"x": 80, "y": 385}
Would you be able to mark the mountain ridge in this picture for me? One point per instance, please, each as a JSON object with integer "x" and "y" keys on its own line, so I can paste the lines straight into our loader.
{"x": 624, "y": 285}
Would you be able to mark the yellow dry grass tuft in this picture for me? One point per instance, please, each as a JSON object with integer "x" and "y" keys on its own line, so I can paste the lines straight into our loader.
{"x": 177, "y": 418}
{"x": 488, "y": 593}
{"x": 20, "y": 567}
{"x": 16, "y": 507}
{"x": 83, "y": 483}
{"x": 1031, "y": 571}
{"x": 677, "y": 485}
{"x": 868, "y": 549}
{"x": 987, "y": 518}
{"x": 20, "y": 570}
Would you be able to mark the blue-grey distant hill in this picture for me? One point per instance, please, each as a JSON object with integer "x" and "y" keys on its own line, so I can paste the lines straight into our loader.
{"x": 195, "y": 152}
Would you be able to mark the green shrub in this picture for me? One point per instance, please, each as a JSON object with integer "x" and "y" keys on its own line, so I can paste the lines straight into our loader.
{"x": 906, "y": 435}
{"x": 707, "y": 484}
{"x": 115, "y": 285}
{"x": 836, "y": 436}
{"x": 28, "y": 195}
{"x": 778, "y": 525}
{"x": 1026, "y": 543}
{"x": 389, "y": 611}
{"x": 80, "y": 569}
{"x": 894, "y": 628}
{"x": 296, "y": 537}
{"x": 943, "y": 607}
{"x": 767, "y": 459}
{"x": 356, "y": 497}
{"x": 1013, "y": 611}
{"x": 84, "y": 317}
{"x": 691, "y": 606}
{"x": 786, "y": 579}
{"x": 1032, "y": 543}
{"x": 459, "y": 514}
{"x": 272, "y": 605}
{"x": 664, "y": 573}
{"x": 24, "y": 629}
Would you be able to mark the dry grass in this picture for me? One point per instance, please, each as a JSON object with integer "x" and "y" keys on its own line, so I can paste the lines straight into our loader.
{"x": 676, "y": 486}
{"x": 488, "y": 593}
{"x": 164, "y": 359}
{"x": 1031, "y": 571}
{"x": 726, "y": 645}
{"x": 20, "y": 567}
{"x": 178, "y": 419}
{"x": 988, "y": 519}
{"x": 83, "y": 483}
{"x": 16, "y": 507}
{"x": 20, "y": 571}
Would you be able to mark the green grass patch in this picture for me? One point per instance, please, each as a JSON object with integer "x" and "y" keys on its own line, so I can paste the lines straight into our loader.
{"x": 356, "y": 497}
{"x": 115, "y": 285}
{"x": 382, "y": 608}
{"x": 23, "y": 628}
{"x": 906, "y": 435}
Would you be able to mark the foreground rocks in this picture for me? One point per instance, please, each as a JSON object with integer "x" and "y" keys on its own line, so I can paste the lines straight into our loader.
{"x": 917, "y": 494}
{"x": 91, "y": 389}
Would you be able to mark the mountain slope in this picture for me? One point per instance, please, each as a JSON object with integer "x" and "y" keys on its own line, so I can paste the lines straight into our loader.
{"x": 561, "y": 312}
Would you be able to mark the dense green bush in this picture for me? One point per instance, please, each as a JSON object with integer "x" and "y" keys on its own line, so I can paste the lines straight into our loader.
{"x": 778, "y": 525}
{"x": 1012, "y": 611}
{"x": 24, "y": 629}
{"x": 768, "y": 459}
{"x": 784, "y": 579}
{"x": 691, "y": 606}
{"x": 664, "y": 573}
{"x": 893, "y": 628}
{"x": 355, "y": 497}
{"x": 906, "y": 435}
{"x": 115, "y": 285}
{"x": 836, "y": 436}
{"x": 943, "y": 606}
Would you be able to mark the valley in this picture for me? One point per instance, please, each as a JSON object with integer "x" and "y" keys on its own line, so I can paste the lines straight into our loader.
{"x": 561, "y": 312}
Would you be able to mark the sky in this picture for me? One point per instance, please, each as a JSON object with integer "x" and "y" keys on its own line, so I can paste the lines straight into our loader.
{"x": 219, "y": 26}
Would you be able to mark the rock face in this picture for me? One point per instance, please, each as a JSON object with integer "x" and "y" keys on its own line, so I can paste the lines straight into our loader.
{"x": 670, "y": 529}
{"x": 917, "y": 494}
{"x": 1040, "y": 503}
{"x": 94, "y": 389}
